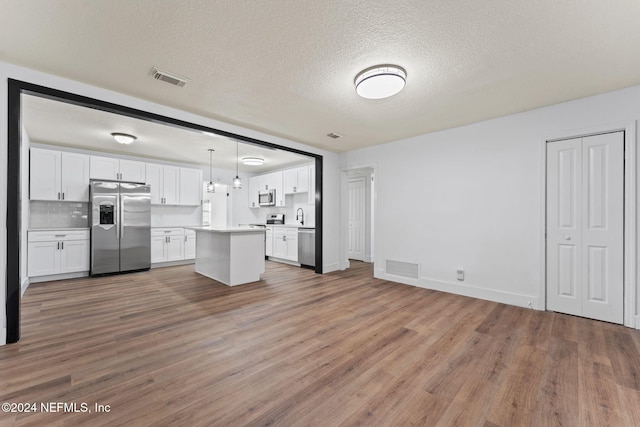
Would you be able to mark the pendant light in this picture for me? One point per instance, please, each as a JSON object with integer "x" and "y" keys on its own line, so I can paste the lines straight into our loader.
{"x": 237, "y": 183}
{"x": 211, "y": 187}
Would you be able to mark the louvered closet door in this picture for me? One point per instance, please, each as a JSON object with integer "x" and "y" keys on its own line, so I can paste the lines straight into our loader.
{"x": 585, "y": 190}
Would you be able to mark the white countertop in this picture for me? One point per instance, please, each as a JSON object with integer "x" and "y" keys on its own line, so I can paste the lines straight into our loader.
{"x": 289, "y": 225}
{"x": 228, "y": 229}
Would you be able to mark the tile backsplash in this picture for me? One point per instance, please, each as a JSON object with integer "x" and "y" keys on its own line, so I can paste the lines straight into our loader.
{"x": 58, "y": 214}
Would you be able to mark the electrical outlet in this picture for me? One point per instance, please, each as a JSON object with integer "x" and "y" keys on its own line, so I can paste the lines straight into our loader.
{"x": 460, "y": 274}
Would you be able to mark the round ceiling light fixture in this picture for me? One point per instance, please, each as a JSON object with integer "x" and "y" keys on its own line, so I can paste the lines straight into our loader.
{"x": 253, "y": 161}
{"x": 123, "y": 138}
{"x": 380, "y": 81}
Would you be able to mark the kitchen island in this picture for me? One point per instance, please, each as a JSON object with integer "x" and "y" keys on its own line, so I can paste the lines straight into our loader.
{"x": 230, "y": 255}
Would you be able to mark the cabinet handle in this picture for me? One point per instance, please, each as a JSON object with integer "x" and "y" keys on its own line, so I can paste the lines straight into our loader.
{"x": 185, "y": 238}
{"x": 58, "y": 196}
{"x": 58, "y": 246}
{"x": 61, "y": 245}
{"x": 284, "y": 238}
{"x": 62, "y": 196}
{"x": 294, "y": 189}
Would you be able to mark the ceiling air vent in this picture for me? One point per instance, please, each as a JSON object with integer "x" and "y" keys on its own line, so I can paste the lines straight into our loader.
{"x": 334, "y": 135}
{"x": 168, "y": 77}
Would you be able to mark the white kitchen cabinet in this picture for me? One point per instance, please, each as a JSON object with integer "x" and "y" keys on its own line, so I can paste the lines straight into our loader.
{"x": 56, "y": 175}
{"x": 189, "y": 244}
{"x": 277, "y": 179}
{"x": 132, "y": 171}
{"x": 167, "y": 244}
{"x": 190, "y": 187}
{"x": 57, "y": 252}
{"x": 117, "y": 169}
{"x": 312, "y": 185}
{"x": 254, "y": 189}
{"x": 296, "y": 180}
{"x": 269, "y": 241}
{"x": 269, "y": 181}
{"x": 165, "y": 184}
{"x": 285, "y": 243}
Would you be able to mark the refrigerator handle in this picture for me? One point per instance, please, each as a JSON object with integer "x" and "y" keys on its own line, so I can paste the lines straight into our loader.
{"x": 118, "y": 215}
{"x": 121, "y": 199}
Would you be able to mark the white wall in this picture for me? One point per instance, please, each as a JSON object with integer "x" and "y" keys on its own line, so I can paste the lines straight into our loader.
{"x": 331, "y": 219}
{"x": 472, "y": 197}
{"x": 24, "y": 208}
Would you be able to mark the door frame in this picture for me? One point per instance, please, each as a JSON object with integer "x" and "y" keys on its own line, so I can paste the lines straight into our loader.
{"x": 343, "y": 260}
{"x": 630, "y": 235}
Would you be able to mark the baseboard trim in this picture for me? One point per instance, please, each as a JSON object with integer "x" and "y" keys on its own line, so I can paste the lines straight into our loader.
{"x": 3, "y": 336}
{"x": 381, "y": 274}
{"x": 637, "y": 322}
{"x": 466, "y": 290}
{"x": 24, "y": 286}
{"x": 368, "y": 259}
{"x": 173, "y": 263}
{"x": 328, "y": 268}
{"x": 65, "y": 276}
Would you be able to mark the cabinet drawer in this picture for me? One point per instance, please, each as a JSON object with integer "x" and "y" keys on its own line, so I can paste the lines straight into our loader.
{"x": 167, "y": 232}
{"x": 59, "y": 235}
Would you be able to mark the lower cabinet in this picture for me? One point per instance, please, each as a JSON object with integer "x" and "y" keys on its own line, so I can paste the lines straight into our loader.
{"x": 57, "y": 252}
{"x": 189, "y": 244}
{"x": 172, "y": 244}
{"x": 285, "y": 243}
{"x": 167, "y": 244}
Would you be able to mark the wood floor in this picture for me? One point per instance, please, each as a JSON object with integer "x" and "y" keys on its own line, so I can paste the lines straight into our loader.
{"x": 170, "y": 347}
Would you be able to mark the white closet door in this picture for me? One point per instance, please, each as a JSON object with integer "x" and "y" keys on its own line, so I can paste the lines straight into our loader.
{"x": 585, "y": 226}
{"x": 356, "y": 219}
{"x": 602, "y": 228}
{"x": 564, "y": 200}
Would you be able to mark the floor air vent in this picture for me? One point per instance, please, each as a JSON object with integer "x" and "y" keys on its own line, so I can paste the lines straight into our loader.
{"x": 168, "y": 77}
{"x": 404, "y": 269}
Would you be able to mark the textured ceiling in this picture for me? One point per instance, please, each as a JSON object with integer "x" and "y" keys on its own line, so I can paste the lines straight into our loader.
{"x": 287, "y": 67}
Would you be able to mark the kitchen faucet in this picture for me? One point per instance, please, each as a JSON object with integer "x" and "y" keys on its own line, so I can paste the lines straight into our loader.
{"x": 300, "y": 216}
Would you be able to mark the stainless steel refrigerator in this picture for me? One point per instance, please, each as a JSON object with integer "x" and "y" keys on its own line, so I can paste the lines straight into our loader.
{"x": 120, "y": 218}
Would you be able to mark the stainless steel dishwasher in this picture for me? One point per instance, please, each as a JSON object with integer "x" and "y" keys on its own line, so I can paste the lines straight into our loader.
{"x": 307, "y": 247}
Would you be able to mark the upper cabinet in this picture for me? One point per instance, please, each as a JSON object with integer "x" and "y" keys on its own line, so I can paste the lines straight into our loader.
{"x": 117, "y": 169}
{"x": 290, "y": 181}
{"x": 190, "y": 186}
{"x": 296, "y": 180}
{"x": 312, "y": 184}
{"x": 56, "y": 175}
{"x": 165, "y": 184}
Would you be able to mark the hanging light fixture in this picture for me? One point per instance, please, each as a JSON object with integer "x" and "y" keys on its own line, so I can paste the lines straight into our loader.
{"x": 211, "y": 187}
{"x": 381, "y": 81}
{"x": 237, "y": 182}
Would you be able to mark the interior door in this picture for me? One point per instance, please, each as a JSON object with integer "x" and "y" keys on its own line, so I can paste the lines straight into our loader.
{"x": 356, "y": 219}
{"x": 585, "y": 196}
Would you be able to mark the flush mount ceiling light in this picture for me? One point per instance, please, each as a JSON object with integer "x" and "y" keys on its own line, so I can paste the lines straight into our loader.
{"x": 253, "y": 161}
{"x": 380, "y": 81}
{"x": 123, "y": 138}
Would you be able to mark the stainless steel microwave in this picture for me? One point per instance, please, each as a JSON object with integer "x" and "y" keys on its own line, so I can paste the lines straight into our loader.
{"x": 267, "y": 198}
